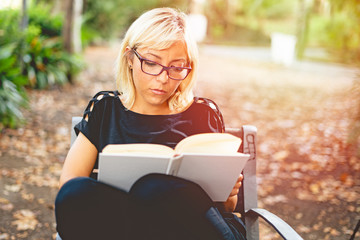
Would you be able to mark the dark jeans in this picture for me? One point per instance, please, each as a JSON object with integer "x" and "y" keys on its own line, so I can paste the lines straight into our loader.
{"x": 157, "y": 207}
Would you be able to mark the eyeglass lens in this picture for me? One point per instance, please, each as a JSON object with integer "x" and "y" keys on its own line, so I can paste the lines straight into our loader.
{"x": 154, "y": 68}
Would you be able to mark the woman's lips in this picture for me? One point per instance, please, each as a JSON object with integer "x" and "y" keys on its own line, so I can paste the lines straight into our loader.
{"x": 158, "y": 91}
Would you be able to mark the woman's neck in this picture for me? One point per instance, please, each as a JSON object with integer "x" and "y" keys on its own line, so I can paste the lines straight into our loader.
{"x": 149, "y": 110}
{"x": 152, "y": 110}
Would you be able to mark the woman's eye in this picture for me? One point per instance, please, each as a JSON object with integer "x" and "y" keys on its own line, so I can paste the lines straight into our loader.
{"x": 179, "y": 65}
{"x": 177, "y": 69}
{"x": 150, "y": 64}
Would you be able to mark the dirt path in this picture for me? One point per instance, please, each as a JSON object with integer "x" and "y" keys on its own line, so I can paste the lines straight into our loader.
{"x": 308, "y": 173}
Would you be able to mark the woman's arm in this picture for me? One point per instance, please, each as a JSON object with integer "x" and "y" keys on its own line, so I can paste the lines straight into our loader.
{"x": 80, "y": 159}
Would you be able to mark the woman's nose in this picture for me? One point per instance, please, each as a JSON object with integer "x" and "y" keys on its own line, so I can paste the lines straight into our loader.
{"x": 163, "y": 77}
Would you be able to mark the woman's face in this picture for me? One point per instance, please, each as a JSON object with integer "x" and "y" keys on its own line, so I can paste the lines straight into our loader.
{"x": 152, "y": 92}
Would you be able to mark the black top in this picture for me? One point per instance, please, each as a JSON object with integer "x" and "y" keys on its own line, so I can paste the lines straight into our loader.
{"x": 107, "y": 121}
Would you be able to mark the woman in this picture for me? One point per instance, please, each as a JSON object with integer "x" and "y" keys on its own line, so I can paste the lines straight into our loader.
{"x": 156, "y": 70}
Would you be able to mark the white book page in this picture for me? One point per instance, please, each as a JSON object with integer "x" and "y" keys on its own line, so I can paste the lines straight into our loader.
{"x": 122, "y": 171}
{"x": 140, "y": 149}
{"x": 209, "y": 143}
{"x": 216, "y": 174}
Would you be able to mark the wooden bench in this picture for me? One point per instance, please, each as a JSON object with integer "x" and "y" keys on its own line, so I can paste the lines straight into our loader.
{"x": 247, "y": 203}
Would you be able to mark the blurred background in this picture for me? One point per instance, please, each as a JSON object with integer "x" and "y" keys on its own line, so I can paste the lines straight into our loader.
{"x": 289, "y": 67}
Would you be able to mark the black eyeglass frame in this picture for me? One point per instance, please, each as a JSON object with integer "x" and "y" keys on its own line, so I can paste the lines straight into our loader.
{"x": 164, "y": 68}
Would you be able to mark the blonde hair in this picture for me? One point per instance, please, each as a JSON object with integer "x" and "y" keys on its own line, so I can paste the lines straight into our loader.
{"x": 157, "y": 29}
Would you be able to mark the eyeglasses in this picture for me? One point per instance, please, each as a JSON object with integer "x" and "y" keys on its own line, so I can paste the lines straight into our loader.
{"x": 155, "y": 69}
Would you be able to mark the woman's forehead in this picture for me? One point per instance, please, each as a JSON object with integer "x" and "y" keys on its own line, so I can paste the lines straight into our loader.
{"x": 177, "y": 49}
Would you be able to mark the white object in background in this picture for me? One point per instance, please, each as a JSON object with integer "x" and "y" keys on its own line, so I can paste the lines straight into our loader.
{"x": 198, "y": 26}
{"x": 283, "y": 48}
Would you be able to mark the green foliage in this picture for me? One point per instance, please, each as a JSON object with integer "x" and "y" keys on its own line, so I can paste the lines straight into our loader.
{"x": 238, "y": 24}
{"x": 89, "y": 35}
{"x": 12, "y": 95}
{"x": 338, "y": 31}
{"x": 341, "y": 31}
{"x": 34, "y": 58}
{"x": 109, "y": 19}
{"x": 9, "y": 26}
{"x": 50, "y": 25}
{"x": 46, "y": 63}
{"x": 276, "y": 9}
{"x": 344, "y": 37}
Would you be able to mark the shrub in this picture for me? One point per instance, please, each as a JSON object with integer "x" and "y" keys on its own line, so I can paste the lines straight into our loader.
{"x": 50, "y": 25}
{"x": 9, "y": 26}
{"x": 12, "y": 94}
{"x": 46, "y": 63}
{"x": 109, "y": 19}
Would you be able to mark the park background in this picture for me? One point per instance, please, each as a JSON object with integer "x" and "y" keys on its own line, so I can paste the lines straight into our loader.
{"x": 55, "y": 55}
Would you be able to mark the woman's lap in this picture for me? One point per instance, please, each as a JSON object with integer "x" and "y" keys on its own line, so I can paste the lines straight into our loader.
{"x": 158, "y": 206}
{"x": 178, "y": 205}
{"x": 84, "y": 205}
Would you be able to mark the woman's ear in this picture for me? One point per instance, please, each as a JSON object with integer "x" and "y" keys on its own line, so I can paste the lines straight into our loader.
{"x": 129, "y": 56}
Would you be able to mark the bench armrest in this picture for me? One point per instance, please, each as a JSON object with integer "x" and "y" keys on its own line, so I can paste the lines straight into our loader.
{"x": 284, "y": 229}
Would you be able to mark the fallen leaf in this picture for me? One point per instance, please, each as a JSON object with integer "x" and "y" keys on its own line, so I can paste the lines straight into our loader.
{"x": 4, "y": 201}
{"x": 4, "y": 236}
{"x": 334, "y": 232}
{"x": 7, "y": 207}
{"x": 13, "y": 188}
{"x": 317, "y": 226}
{"x": 351, "y": 208}
{"x": 26, "y": 220}
{"x": 275, "y": 199}
{"x": 22, "y": 235}
{"x": 280, "y": 156}
{"x": 314, "y": 188}
{"x": 303, "y": 229}
{"x": 28, "y": 196}
{"x": 343, "y": 177}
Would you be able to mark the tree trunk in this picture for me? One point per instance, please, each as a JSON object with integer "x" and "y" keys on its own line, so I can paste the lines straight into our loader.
{"x": 23, "y": 25}
{"x": 72, "y": 25}
{"x": 78, "y": 5}
{"x": 57, "y": 7}
{"x": 230, "y": 15}
{"x": 303, "y": 27}
{"x": 72, "y": 28}
{"x": 24, "y": 17}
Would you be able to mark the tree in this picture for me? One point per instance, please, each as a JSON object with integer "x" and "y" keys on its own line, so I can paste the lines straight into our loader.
{"x": 23, "y": 25}
{"x": 72, "y": 25}
{"x": 221, "y": 17}
{"x": 24, "y": 17}
{"x": 303, "y": 24}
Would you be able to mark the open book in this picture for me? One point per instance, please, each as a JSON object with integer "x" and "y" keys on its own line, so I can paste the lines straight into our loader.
{"x": 208, "y": 159}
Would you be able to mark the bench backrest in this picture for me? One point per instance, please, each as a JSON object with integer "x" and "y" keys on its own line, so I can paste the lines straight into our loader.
{"x": 247, "y": 197}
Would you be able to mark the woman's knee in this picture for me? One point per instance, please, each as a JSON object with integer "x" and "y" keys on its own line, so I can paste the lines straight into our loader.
{"x": 159, "y": 188}
{"x": 155, "y": 185}
{"x": 74, "y": 192}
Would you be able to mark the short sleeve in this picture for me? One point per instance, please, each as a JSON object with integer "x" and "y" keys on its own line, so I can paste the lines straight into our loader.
{"x": 215, "y": 118}
{"x": 93, "y": 116}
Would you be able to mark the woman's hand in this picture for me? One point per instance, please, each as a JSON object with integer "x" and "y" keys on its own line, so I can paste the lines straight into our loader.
{"x": 231, "y": 202}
